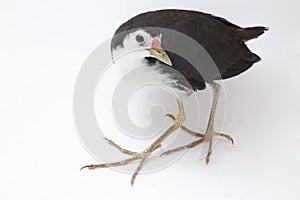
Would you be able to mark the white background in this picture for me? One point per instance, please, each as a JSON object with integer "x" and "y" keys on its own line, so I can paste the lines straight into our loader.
{"x": 42, "y": 47}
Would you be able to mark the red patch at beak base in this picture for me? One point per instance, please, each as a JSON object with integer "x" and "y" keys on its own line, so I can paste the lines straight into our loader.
{"x": 156, "y": 44}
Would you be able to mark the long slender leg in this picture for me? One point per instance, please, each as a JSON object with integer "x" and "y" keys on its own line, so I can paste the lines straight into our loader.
{"x": 147, "y": 152}
{"x": 209, "y": 133}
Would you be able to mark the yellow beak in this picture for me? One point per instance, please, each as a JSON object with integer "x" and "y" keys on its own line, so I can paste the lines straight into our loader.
{"x": 160, "y": 55}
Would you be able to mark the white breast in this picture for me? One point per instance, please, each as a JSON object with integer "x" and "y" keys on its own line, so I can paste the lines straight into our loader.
{"x": 134, "y": 68}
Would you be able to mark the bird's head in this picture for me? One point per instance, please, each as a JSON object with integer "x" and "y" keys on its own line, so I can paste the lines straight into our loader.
{"x": 148, "y": 45}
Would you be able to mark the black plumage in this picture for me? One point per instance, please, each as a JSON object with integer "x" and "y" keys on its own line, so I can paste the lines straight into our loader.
{"x": 223, "y": 41}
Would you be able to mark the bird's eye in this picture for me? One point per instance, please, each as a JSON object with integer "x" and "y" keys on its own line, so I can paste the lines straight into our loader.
{"x": 139, "y": 38}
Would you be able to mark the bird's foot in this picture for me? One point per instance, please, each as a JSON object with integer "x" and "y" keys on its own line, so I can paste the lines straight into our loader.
{"x": 142, "y": 156}
{"x": 135, "y": 156}
{"x": 210, "y": 134}
{"x": 207, "y": 137}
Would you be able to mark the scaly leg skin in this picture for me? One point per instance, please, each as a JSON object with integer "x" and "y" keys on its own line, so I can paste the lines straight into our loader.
{"x": 209, "y": 133}
{"x": 147, "y": 152}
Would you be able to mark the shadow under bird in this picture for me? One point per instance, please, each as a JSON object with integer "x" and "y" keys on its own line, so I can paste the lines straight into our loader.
{"x": 187, "y": 50}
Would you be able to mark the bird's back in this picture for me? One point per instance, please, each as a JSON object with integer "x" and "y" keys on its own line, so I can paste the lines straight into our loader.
{"x": 223, "y": 41}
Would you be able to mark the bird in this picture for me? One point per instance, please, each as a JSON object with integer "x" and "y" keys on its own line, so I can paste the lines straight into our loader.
{"x": 187, "y": 50}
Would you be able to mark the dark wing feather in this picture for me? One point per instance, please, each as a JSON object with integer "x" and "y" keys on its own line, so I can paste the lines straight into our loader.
{"x": 221, "y": 39}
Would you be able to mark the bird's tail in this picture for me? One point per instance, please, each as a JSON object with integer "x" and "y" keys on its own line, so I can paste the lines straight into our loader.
{"x": 252, "y": 32}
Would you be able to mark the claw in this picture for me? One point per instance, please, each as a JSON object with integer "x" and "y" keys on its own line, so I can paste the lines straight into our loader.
{"x": 87, "y": 166}
{"x": 170, "y": 116}
{"x": 166, "y": 153}
{"x": 207, "y": 160}
{"x": 228, "y": 137}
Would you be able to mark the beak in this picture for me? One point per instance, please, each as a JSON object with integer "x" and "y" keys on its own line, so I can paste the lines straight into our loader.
{"x": 157, "y": 52}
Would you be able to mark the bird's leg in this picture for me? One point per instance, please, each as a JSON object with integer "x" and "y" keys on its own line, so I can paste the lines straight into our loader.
{"x": 209, "y": 133}
{"x": 147, "y": 152}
